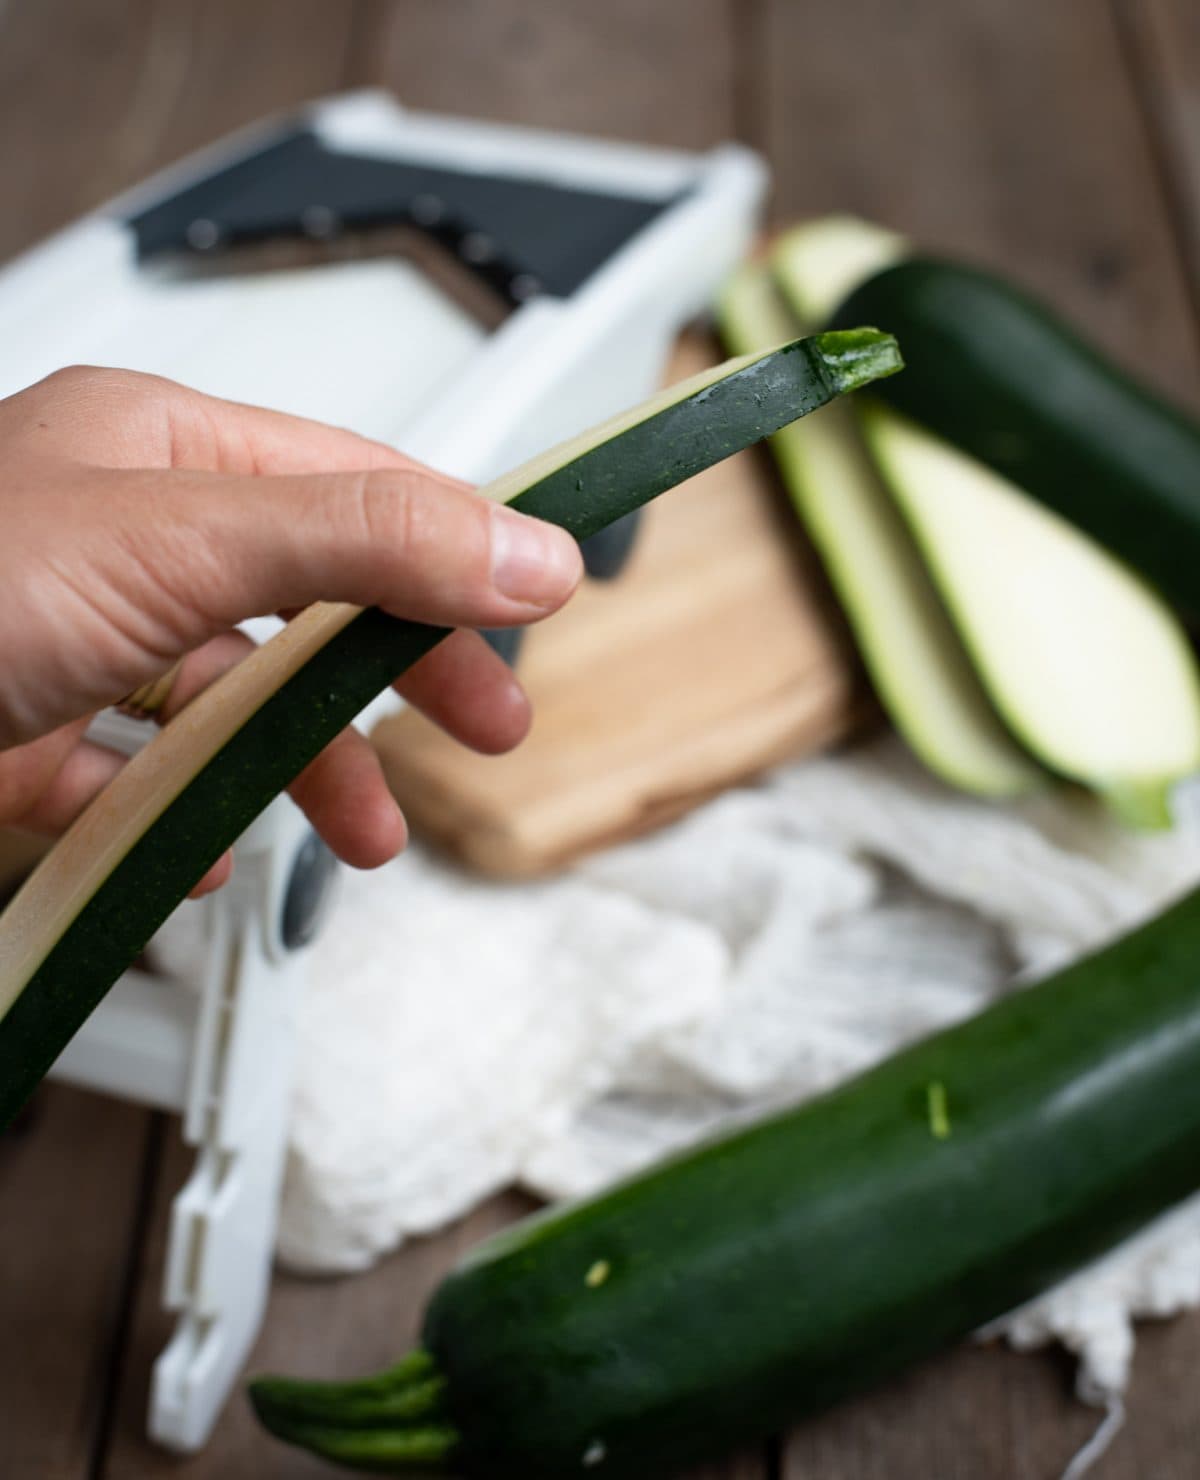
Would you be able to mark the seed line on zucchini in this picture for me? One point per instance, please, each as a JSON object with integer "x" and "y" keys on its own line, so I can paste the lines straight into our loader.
{"x": 94, "y": 902}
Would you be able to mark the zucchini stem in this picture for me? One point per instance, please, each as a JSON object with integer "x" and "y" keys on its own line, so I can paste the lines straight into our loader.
{"x": 393, "y": 1420}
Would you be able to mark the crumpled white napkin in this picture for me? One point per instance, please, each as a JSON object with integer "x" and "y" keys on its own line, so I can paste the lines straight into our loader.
{"x": 461, "y": 1035}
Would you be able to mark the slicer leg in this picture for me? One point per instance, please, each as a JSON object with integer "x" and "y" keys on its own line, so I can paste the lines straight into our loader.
{"x": 223, "y": 1220}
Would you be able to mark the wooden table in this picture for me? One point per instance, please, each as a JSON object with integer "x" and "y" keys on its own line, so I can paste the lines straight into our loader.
{"x": 1059, "y": 139}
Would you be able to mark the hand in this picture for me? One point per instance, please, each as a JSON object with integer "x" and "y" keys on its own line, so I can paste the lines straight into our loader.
{"x": 140, "y": 521}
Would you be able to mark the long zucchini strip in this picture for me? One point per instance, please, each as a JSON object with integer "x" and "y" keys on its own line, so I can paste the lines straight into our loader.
{"x": 112, "y": 880}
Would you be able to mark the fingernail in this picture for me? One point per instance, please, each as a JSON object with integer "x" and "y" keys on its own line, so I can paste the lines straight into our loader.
{"x": 532, "y": 562}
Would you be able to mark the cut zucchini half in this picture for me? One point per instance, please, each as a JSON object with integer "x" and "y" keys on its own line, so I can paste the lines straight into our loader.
{"x": 1006, "y": 380}
{"x": 1083, "y": 660}
{"x": 819, "y": 264}
{"x": 112, "y": 880}
{"x": 912, "y": 652}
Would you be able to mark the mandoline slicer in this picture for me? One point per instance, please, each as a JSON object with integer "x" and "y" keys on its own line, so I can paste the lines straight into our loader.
{"x": 468, "y": 292}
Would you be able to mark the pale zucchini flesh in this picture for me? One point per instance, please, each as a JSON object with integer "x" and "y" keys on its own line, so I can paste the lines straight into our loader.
{"x": 819, "y": 264}
{"x": 1081, "y": 657}
{"x": 91, "y": 906}
{"x": 916, "y": 661}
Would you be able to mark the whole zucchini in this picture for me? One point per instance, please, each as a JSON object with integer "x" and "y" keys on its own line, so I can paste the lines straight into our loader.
{"x": 716, "y": 1298}
{"x": 1004, "y": 379}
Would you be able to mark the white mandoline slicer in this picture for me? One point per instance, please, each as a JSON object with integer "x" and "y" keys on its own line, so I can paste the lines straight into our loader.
{"x": 480, "y": 292}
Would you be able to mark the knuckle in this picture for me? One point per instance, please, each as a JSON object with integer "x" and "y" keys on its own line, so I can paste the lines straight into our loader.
{"x": 384, "y": 508}
{"x": 98, "y": 384}
{"x": 70, "y": 376}
{"x": 403, "y": 510}
{"x": 70, "y": 384}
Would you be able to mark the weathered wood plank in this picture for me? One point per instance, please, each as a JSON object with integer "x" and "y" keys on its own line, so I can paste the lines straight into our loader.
{"x": 1163, "y": 38}
{"x": 745, "y": 1467}
{"x": 71, "y": 1172}
{"x": 67, "y": 74}
{"x": 1162, "y": 1435}
{"x": 96, "y": 95}
{"x": 1009, "y": 133}
{"x": 660, "y": 73}
{"x": 983, "y": 1413}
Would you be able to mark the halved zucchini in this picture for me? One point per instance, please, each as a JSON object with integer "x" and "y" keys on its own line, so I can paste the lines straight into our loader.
{"x": 1086, "y": 665}
{"x": 915, "y": 658}
{"x": 1082, "y": 659}
{"x": 1006, "y": 380}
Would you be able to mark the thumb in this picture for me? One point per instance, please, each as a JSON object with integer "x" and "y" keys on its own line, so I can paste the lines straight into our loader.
{"x": 208, "y": 551}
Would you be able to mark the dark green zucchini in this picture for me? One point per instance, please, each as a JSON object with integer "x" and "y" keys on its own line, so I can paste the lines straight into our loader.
{"x": 715, "y": 1299}
{"x": 90, "y": 907}
{"x": 1004, "y": 379}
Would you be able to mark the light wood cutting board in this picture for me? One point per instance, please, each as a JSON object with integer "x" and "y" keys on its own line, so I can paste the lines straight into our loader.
{"x": 714, "y": 655}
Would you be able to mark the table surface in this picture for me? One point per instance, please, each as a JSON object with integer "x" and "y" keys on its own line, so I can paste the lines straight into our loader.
{"x": 1058, "y": 141}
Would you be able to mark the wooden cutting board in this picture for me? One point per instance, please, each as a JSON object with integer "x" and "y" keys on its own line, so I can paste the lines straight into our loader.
{"x": 715, "y": 654}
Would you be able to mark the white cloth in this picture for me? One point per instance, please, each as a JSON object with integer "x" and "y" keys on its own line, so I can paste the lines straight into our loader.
{"x": 462, "y": 1035}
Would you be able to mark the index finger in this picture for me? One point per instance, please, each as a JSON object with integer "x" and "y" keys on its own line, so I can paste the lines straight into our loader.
{"x": 125, "y": 419}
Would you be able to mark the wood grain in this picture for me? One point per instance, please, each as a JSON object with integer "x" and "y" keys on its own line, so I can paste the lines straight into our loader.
{"x": 1009, "y": 133}
{"x": 972, "y": 1414}
{"x": 67, "y": 73}
{"x": 1162, "y": 1434}
{"x": 662, "y": 73}
{"x": 985, "y": 1411}
{"x": 1163, "y": 46}
{"x": 96, "y": 94}
{"x": 716, "y": 654}
{"x": 70, "y": 1176}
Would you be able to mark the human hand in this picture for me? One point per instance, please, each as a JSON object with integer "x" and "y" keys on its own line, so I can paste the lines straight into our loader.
{"x": 140, "y": 521}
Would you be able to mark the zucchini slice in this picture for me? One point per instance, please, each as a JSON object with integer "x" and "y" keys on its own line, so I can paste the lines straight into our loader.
{"x": 716, "y": 1298}
{"x": 111, "y": 881}
{"x": 1004, "y": 379}
{"x": 917, "y": 663}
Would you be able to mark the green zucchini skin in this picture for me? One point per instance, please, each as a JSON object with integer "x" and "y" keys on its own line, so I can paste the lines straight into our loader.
{"x": 775, "y": 1271}
{"x": 583, "y": 494}
{"x": 1003, "y": 378}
